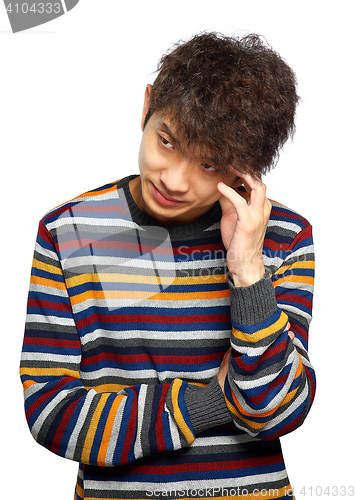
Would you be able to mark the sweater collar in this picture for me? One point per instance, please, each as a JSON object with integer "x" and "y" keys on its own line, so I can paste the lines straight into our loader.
{"x": 204, "y": 222}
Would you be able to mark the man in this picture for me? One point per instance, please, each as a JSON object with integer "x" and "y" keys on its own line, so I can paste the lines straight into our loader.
{"x": 168, "y": 314}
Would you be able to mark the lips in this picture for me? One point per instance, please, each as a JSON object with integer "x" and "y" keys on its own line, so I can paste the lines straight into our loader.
{"x": 163, "y": 199}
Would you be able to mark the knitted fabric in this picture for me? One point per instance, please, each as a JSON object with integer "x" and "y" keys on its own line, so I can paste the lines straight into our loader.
{"x": 128, "y": 321}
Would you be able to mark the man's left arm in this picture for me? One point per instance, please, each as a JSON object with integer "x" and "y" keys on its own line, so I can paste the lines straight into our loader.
{"x": 270, "y": 383}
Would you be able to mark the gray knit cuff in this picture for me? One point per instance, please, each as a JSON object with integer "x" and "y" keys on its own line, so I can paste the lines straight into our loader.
{"x": 252, "y": 304}
{"x": 206, "y": 406}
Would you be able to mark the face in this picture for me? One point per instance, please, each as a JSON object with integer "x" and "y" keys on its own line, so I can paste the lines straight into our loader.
{"x": 171, "y": 188}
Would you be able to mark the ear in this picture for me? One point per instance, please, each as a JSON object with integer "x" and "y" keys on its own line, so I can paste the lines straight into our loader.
{"x": 146, "y": 104}
{"x": 236, "y": 182}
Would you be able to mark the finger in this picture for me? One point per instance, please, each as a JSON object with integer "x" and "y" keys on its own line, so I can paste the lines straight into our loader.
{"x": 290, "y": 333}
{"x": 258, "y": 197}
{"x": 236, "y": 199}
{"x": 227, "y": 353}
{"x": 267, "y": 207}
{"x": 254, "y": 187}
{"x": 226, "y": 204}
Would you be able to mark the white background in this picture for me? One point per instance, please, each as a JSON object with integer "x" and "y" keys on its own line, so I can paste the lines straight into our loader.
{"x": 71, "y": 93}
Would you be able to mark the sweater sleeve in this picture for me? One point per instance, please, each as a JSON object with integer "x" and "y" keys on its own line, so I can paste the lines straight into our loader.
{"x": 271, "y": 384}
{"x": 105, "y": 429}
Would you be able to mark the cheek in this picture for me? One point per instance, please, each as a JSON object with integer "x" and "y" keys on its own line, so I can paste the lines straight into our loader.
{"x": 149, "y": 160}
{"x": 141, "y": 157}
{"x": 208, "y": 194}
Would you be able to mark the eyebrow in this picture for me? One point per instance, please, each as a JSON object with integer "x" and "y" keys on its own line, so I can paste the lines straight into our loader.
{"x": 164, "y": 128}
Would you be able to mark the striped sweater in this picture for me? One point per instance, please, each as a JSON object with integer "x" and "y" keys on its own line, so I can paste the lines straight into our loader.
{"x": 128, "y": 321}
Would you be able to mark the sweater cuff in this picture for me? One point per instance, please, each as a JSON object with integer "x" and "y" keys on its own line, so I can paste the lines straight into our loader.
{"x": 252, "y": 304}
{"x": 206, "y": 406}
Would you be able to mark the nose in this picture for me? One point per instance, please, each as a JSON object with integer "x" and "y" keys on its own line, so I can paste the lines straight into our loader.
{"x": 175, "y": 177}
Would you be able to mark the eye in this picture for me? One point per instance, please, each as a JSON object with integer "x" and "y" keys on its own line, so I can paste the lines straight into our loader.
{"x": 166, "y": 142}
{"x": 208, "y": 168}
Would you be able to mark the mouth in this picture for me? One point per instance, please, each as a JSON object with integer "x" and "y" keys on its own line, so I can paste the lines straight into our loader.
{"x": 164, "y": 199}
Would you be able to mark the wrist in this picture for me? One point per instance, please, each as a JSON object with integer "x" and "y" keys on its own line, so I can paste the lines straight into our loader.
{"x": 244, "y": 278}
{"x": 206, "y": 406}
{"x": 253, "y": 304}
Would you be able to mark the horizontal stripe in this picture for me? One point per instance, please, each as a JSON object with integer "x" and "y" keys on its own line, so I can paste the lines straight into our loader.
{"x": 124, "y": 319}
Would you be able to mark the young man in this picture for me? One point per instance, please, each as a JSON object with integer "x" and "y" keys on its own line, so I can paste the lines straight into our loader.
{"x": 168, "y": 314}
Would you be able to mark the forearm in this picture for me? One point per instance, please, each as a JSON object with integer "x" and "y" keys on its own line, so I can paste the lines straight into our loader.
{"x": 112, "y": 429}
{"x": 77, "y": 422}
{"x": 269, "y": 385}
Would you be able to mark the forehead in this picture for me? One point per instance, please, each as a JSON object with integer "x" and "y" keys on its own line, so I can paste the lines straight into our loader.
{"x": 167, "y": 125}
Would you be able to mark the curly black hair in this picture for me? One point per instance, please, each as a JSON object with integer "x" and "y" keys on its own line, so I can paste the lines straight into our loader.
{"x": 231, "y": 99}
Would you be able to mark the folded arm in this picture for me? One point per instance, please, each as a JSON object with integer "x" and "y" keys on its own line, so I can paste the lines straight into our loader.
{"x": 270, "y": 383}
{"x": 79, "y": 423}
